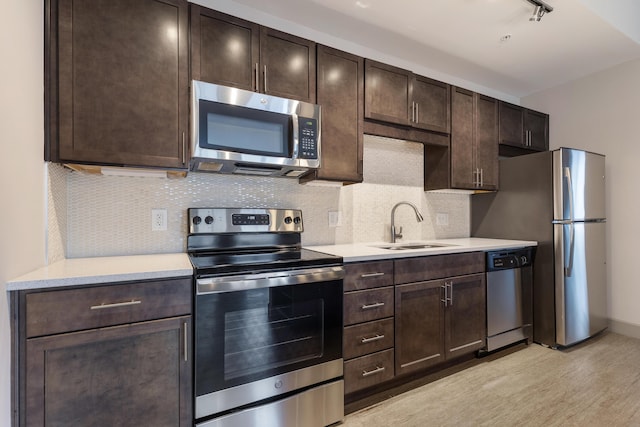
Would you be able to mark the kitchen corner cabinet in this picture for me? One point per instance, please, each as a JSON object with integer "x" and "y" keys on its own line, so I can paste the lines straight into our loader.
{"x": 398, "y": 96}
{"x": 474, "y": 140}
{"x": 340, "y": 93}
{"x": 232, "y": 52}
{"x": 439, "y": 309}
{"x": 117, "y": 354}
{"x": 523, "y": 128}
{"x": 117, "y": 82}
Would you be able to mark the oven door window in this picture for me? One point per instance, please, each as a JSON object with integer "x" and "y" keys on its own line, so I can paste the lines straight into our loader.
{"x": 245, "y": 336}
{"x": 244, "y": 130}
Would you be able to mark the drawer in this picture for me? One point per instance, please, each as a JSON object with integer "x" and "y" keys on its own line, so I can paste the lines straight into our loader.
{"x": 366, "y": 275}
{"x": 363, "y": 306}
{"x": 418, "y": 269}
{"x": 366, "y": 338}
{"x": 367, "y": 371}
{"x": 54, "y": 312}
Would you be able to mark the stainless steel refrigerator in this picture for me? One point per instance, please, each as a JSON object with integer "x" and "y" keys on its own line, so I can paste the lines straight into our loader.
{"x": 558, "y": 199}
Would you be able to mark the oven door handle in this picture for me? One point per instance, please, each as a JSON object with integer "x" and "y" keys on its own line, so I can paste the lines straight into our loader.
{"x": 212, "y": 285}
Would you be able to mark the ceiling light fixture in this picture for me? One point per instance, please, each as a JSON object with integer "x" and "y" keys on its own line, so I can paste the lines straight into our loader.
{"x": 540, "y": 10}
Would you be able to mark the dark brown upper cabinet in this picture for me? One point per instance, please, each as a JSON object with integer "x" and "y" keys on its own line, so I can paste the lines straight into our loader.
{"x": 536, "y": 125}
{"x": 524, "y": 129}
{"x": 474, "y": 140}
{"x": 398, "y": 96}
{"x": 233, "y": 52}
{"x": 340, "y": 93}
{"x": 117, "y": 82}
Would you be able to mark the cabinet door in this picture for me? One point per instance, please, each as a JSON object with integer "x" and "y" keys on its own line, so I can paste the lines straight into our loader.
{"x": 419, "y": 325}
{"x": 133, "y": 375}
{"x": 431, "y": 105}
{"x": 340, "y": 93}
{"x": 486, "y": 141}
{"x": 123, "y": 82}
{"x": 224, "y": 49}
{"x": 465, "y": 324}
{"x": 511, "y": 125}
{"x": 288, "y": 65}
{"x": 463, "y": 172}
{"x": 386, "y": 91}
{"x": 537, "y": 124}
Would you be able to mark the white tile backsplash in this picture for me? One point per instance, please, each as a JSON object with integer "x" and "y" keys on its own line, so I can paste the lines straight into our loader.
{"x": 92, "y": 215}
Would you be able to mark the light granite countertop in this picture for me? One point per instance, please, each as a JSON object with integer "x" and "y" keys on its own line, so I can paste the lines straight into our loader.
{"x": 88, "y": 271}
{"x": 356, "y": 252}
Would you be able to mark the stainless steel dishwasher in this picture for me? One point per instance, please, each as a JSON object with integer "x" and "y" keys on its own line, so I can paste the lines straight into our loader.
{"x": 509, "y": 297}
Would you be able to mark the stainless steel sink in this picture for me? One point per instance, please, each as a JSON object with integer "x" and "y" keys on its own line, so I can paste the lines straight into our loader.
{"x": 407, "y": 246}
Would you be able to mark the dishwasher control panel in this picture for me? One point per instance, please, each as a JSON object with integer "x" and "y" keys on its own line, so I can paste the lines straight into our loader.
{"x": 505, "y": 260}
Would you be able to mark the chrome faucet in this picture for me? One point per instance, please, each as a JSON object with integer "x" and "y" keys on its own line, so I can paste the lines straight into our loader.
{"x": 398, "y": 235}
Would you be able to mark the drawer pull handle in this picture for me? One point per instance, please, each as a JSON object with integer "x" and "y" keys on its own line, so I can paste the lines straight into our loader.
{"x": 374, "y": 305}
{"x": 371, "y": 339}
{"x": 378, "y": 370}
{"x": 115, "y": 304}
{"x": 367, "y": 275}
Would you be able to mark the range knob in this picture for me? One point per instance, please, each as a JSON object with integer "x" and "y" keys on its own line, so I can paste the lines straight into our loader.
{"x": 196, "y": 220}
{"x": 208, "y": 219}
{"x": 287, "y": 220}
{"x": 524, "y": 259}
{"x": 296, "y": 220}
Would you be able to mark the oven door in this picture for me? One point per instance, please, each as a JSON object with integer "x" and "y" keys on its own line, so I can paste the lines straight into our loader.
{"x": 265, "y": 335}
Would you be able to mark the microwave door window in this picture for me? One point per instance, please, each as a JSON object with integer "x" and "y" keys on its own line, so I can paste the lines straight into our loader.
{"x": 245, "y": 130}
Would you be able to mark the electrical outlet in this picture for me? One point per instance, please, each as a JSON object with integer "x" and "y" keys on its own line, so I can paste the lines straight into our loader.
{"x": 158, "y": 219}
{"x": 442, "y": 219}
{"x": 335, "y": 219}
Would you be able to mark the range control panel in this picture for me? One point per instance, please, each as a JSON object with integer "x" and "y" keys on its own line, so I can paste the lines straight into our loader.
{"x": 241, "y": 220}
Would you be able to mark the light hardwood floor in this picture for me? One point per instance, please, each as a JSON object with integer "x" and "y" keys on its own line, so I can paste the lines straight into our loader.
{"x": 596, "y": 383}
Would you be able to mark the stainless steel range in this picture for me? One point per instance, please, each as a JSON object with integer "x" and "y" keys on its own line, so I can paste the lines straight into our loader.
{"x": 268, "y": 321}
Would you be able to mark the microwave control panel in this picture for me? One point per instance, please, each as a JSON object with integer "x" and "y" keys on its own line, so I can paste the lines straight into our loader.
{"x": 307, "y": 138}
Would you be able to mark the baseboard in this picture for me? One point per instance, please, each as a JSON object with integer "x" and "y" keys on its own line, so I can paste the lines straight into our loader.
{"x": 623, "y": 328}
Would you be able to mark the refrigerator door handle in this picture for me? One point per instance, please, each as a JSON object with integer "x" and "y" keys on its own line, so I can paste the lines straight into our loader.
{"x": 567, "y": 174}
{"x": 569, "y": 269}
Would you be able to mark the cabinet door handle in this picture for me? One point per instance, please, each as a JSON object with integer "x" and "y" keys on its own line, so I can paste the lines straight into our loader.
{"x": 367, "y": 275}
{"x": 481, "y": 177}
{"x": 377, "y": 370}
{"x": 184, "y": 149}
{"x": 374, "y": 305}
{"x": 376, "y": 337}
{"x": 446, "y": 297}
{"x": 413, "y": 112}
{"x": 115, "y": 304}
{"x": 186, "y": 341}
{"x": 257, "y": 77}
{"x": 451, "y": 294}
{"x": 417, "y": 112}
{"x": 265, "y": 79}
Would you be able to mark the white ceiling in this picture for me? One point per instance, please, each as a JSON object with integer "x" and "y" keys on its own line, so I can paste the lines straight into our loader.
{"x": 462, "y": 38}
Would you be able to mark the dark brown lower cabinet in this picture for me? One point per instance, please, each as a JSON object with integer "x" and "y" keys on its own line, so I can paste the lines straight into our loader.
{"x": 438, "y": 320}
{"x": 129, "y": 375}
{"x": 117, "y": 354}
{"x": 419, "y": 326}
{"x": 465, "y": 318}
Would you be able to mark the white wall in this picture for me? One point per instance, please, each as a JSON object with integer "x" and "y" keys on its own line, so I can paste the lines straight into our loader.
{"x": 601, "y": 113}
{"x": 22, "y": 171}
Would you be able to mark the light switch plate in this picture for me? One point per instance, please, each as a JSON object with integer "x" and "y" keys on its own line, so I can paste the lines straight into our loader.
{"x": 442, "y": 219}
{"x": 335, "y": 219}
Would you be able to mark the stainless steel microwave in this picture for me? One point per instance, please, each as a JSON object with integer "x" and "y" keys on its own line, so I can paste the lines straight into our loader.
{"x": 244, "y": 132}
